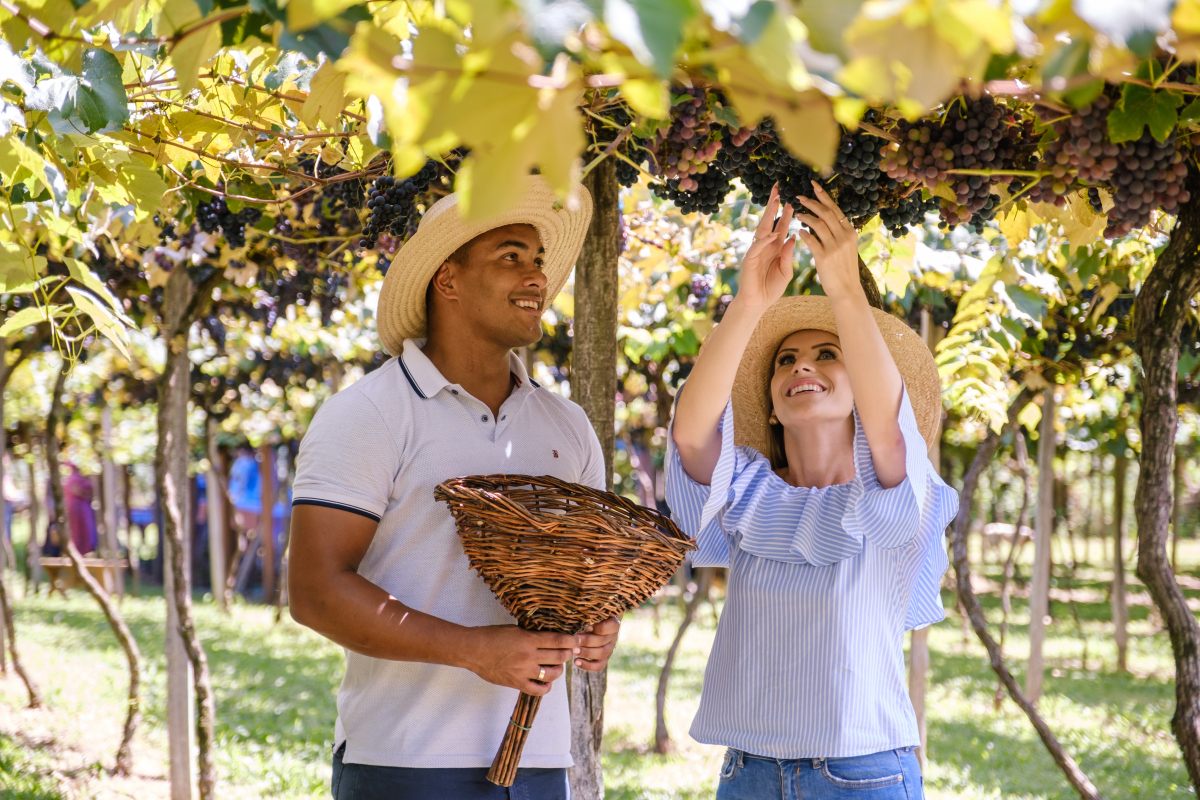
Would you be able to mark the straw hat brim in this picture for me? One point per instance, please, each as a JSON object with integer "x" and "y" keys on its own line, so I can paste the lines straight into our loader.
{"x": 401, "y": 311}
{"x": 751, "y": 401}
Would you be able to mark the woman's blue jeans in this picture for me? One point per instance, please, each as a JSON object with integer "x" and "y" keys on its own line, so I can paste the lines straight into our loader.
{"x": 890, "y": 775}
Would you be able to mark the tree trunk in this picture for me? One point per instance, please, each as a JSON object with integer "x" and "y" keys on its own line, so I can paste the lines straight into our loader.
{"x": 662, "y": 738}
{"x": 281, "y": 594}
{"x": 111, "y": 547}
{"x": 593, "y": 386}
{"x": 33, "y": 554}
{"x": 184, "y": 652}
{"x": 8, "y": 556}
{"x": 1120, "y": 609}
{"x": 1159, "y": 312}
{"x": 1021, "y": 452}
{"x": 133, "y": 713}
{"x": 1180, "y": 489}
{"x": 1039, "y": 590}
{"x": 918, "y": 640}
{"x": 217, "y": 518}
{"x": 266, "y": 520}
{"x": 962, "y": 571}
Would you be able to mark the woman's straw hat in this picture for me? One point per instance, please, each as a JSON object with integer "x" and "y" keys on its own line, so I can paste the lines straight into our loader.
{"x": 751, "y": 401}
{"x": 442, "y": 230}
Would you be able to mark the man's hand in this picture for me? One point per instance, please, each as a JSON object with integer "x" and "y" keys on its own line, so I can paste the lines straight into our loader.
{"x": 597, "y": 645}
{"x": 527, "y": 660}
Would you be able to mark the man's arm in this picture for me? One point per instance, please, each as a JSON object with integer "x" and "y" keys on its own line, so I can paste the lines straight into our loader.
{"x": 327, "y": 594}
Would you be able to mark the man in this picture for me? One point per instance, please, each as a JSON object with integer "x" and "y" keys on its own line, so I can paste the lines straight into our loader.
{"x": 433, "y": 662}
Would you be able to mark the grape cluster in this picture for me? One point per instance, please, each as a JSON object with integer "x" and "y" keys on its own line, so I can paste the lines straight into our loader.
{"x": 860, "y": 183}
{"x": 1149, "y": 175}
{"x": 215, "y": 215}
{"x": 1143, "y": 175}
{"x": 699, "y": 290}
{"x": 393, "y": 203}
{"x": 685, "y": 149}
{"x": 973, "y": 134}
{"x": 709, "y": 193}
{"x": 1079, "y": 151}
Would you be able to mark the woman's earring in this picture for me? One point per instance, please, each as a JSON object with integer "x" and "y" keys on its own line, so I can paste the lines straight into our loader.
{"x": 774, "y": 420}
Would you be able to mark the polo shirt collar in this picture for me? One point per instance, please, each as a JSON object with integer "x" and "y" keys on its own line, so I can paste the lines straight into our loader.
{"x": 426, "y": 380}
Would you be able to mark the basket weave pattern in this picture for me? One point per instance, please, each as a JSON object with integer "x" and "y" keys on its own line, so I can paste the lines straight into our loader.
{"x": 558, "y": 556}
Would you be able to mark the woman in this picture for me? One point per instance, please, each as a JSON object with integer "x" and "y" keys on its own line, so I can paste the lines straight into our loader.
{"x": 798, "y": 458}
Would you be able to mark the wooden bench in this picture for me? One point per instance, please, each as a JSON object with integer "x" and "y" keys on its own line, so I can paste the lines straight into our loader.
{"x": 108, "y": 572}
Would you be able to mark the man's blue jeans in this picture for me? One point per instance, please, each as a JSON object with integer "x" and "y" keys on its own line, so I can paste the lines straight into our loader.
{"x": 366, "y": 782}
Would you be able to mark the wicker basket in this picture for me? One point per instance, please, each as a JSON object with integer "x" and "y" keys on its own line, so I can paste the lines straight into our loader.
{"x": 559, "y": 556}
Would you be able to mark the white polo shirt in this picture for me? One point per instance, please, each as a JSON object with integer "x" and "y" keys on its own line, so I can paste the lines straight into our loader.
{"x": 378, "y": 448}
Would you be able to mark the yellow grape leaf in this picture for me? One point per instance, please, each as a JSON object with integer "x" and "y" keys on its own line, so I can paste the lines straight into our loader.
{"x": 556, "y": 139}
{"x": 896, "y": 278}
{"x": 804, "y": 121}
{"x": 326, "y": 97}
{"x": 192, "y": 52}
{"x": 904, "y": 56}
{"x": 15, "y": 153}
{"x": 16, "y": 268}
{"x": 407, "y": 101}
{"x": 111, "y": 326}
{"x": 145, "y": 186}
{"x": 1080, "y": 225}
{"x": 648, "y": 97}
{"x": 776, "y": 51}
{"x": 488, "y": 184}
{"x": 305, "y": 14}
{"x": 176, "y": 14}
{"x": 1103, "y": 299}
{"x": 1015, "y": 224}
{"x": 1185, "y": 21}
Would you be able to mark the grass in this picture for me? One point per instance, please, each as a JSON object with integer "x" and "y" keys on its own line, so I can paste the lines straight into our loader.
{"x": 275, "y": 688}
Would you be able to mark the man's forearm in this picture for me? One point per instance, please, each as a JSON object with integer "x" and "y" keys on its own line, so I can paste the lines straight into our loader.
{"x": 362, "y": 617}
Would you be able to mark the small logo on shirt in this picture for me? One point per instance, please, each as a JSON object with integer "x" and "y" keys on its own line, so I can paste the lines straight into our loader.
{"x": 555, "y": 452}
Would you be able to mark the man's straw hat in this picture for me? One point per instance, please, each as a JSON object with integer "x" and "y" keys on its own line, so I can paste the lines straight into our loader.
{"x": 751, "y": 401}
{"x": 442, "y": 230}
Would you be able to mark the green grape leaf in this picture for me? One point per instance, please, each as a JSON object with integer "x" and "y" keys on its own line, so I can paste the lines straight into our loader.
{"x": 1141, "y": 106}
{"x": 107, "y": 101}
{"x": 651, "y": 29}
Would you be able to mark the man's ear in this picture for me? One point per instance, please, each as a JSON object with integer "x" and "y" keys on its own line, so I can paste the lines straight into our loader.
{"x": 444, "y": 282}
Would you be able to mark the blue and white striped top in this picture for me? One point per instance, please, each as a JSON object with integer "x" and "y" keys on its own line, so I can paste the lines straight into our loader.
{"x": 808, "y": 659}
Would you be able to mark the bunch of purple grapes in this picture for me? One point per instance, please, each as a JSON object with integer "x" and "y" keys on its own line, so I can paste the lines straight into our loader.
{"x": 392, "y": 203}
{"x": 215, "y": 215}
{"x": 975, "y": 135}
{"x": 687, "y": 147}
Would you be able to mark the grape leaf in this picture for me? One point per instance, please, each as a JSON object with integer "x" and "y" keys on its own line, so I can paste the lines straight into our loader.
{"x": 652, "y": 29}
{"x": 1142, "y": 106}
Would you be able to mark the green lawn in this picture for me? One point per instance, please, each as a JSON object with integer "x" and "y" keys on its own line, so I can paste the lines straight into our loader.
{"x": 275, "y": 687}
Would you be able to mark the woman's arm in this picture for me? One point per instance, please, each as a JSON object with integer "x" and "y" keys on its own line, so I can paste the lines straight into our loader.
{"x": 874, "y": 379}
{"x": 766, "y": 273}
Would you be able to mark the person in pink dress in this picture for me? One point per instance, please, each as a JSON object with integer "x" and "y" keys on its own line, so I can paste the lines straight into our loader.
{"x": 81, "y": 516}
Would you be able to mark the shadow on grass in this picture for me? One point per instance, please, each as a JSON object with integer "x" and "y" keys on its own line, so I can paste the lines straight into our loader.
{"x": 273, "y": 688}
{"x": 20, "y": 777}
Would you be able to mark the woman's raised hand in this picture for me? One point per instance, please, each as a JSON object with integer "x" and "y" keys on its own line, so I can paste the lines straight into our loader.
{"x": 767, "y": 266}
{"x": 833, "y": 242}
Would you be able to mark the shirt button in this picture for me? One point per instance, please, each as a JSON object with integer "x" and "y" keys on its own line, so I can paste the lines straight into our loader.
{"x": 504, "y": 418}
{"x": 454, "y": 391}
{"x": 484, "y": 418}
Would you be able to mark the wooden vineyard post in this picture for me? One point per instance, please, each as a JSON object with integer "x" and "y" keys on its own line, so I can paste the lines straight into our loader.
{"x": 1039, "y": 592}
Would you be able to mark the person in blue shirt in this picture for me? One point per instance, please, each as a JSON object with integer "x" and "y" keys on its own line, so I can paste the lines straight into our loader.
{"x": 798, "y": 458}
